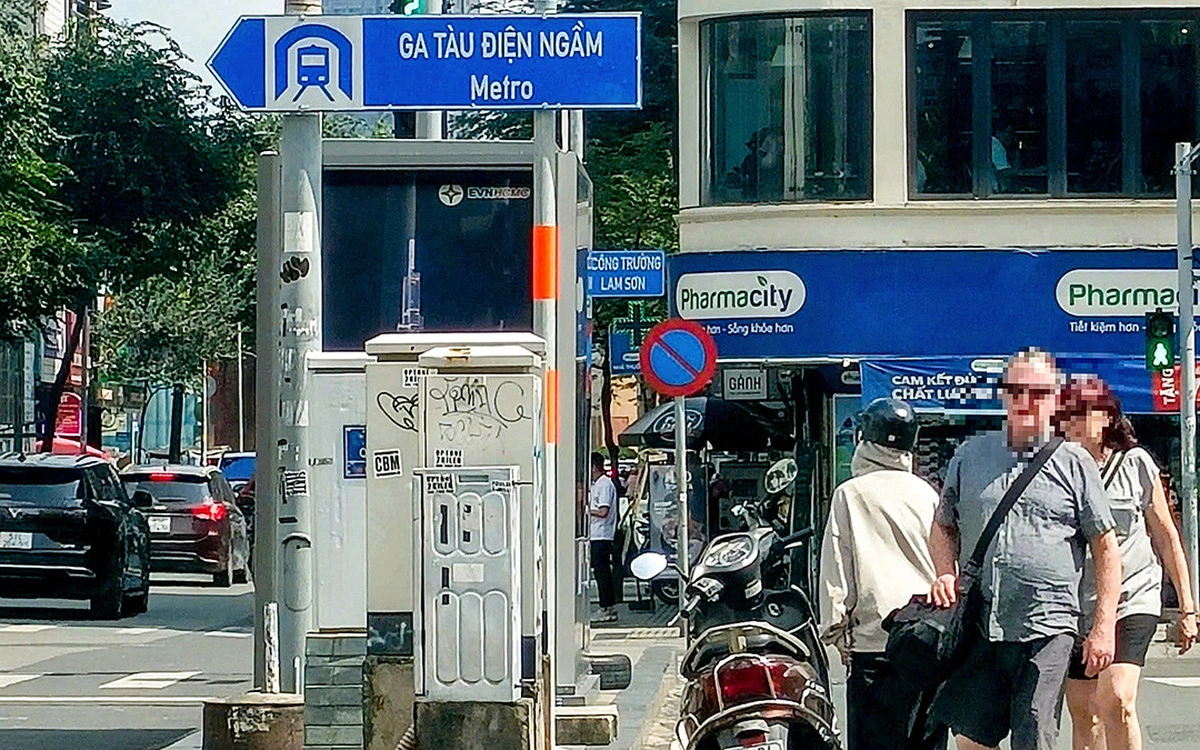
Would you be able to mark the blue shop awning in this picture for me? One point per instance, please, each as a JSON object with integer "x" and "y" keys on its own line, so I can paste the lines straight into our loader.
{"x": 971, "y": 384}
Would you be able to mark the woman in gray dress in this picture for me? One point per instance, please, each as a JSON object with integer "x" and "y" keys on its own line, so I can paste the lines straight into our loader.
{"x": 1104, "y": 708}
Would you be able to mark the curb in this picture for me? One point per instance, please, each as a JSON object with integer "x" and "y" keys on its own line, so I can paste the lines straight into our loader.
{"x": 659, "y": 728}
{"x": 193, "y": 741}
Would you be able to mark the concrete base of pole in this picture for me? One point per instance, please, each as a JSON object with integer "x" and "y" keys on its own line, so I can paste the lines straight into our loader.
{"x": 388, "y": 700}
{"x": 255, "y": 721}
{"x": 478, "y": 726}
{"x": 593, "y": 726}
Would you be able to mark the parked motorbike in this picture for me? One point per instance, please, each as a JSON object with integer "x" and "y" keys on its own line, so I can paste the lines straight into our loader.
{"x": 757, "y": 675}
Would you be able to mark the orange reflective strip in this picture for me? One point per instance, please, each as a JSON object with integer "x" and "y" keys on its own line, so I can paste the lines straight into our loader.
{"x": 552, "y": 407}
{"x": 545, "y": 262}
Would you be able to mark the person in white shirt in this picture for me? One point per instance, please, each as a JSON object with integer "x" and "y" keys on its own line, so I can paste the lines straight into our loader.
{"x": 602, "y": 509}
{"x": 874, "y": 556}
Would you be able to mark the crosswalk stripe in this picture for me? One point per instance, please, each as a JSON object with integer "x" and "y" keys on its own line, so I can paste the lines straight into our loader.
{"x": 148, "y": 680}
{"x": 1179, "y": 682}
{"x": 25, "y": 628}
{"x": 106, "y": 700}
{"x": 8, "y": 680}
{"x": 137, "y": 631}
{"x": 228, "y": 634}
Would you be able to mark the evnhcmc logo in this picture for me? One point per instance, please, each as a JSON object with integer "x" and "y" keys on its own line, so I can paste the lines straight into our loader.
{"x": 740, "y": 294}
{"x": 314, "y": 64}
{"x": 451, "y": 195}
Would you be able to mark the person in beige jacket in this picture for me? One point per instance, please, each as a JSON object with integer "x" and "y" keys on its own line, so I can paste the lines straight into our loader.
{"x": 874, "y": 558}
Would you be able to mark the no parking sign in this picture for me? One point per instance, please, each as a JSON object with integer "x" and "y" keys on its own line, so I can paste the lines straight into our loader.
{"x": 679, "y": 358}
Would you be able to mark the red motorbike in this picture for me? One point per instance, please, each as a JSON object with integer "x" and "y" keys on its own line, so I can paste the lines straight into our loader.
{"x": 757, "y": 675}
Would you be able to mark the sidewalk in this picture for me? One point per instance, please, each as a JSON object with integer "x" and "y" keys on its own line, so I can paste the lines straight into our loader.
{"x": 655, "y": 650}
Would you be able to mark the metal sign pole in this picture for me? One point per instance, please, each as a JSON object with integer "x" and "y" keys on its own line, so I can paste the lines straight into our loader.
{"x": 547, "y": 288}
{"x": 681, "y": 485}
{"x": 299, "y": 331}
{"x": 1184, "y": 157}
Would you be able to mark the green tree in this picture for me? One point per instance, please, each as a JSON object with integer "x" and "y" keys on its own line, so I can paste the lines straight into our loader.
{"x": 154, "y": 170}
{"x": 42, "y": 265}
{"x": 145, "y": 147}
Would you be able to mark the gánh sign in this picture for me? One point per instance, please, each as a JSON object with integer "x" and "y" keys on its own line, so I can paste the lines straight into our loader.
{"x": 745, "y": 384}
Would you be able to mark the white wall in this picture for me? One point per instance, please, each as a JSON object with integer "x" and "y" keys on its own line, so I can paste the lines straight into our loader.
{"x": 890, "y": 219}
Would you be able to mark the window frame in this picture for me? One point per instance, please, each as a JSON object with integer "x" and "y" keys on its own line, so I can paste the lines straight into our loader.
{"x": 707, "y": 152}
{"x": 1057, "y": 177}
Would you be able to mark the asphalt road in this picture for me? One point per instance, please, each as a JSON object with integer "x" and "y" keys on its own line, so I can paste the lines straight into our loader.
{"x": 68, "y": 682}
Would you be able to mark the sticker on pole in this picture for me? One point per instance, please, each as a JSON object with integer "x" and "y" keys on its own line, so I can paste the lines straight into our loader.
{"x": 678, "y": 358}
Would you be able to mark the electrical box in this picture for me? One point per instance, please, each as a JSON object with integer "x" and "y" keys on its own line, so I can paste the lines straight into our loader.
{"x": 470, "y": 559}
{"x": 394, "y": 449}
{"x": 338, "y": 474}
{"x": 482, "y": 407}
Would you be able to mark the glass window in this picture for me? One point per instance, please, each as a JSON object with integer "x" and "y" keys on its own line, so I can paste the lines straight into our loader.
{"x": 177, "y": 489}
{"x": 1168, "y": 97}
{"x": 41, "y": 487}
{"x": 1094, "y": 143}
{"x": 944, "y": 61}
{"x": 1018, "y": 137}
{"x": 1052, "y": 103}
{"x": 789, "y": 109}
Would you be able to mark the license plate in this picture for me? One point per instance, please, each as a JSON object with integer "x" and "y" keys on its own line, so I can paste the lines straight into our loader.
{"x": 16, "y": 540}
{"x": 767, "y": 746}
{"x": 160, "y": 524}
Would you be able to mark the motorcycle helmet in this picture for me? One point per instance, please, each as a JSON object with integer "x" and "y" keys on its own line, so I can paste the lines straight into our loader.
{"x": 889, "y": 422}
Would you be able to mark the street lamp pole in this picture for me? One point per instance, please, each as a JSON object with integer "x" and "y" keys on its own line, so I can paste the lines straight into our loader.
{"x": 1185, "y": 157}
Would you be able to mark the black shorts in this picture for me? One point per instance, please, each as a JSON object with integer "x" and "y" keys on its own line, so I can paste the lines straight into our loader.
{"x": 1134, "y": 633}
{"x": 1008, "y": 687}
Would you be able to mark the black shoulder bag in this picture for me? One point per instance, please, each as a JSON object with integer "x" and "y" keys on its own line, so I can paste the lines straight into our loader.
{"x": 926, "y": 643}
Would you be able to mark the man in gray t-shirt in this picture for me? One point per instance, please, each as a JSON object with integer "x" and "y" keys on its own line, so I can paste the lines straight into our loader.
{"x": 1013, "y": 679}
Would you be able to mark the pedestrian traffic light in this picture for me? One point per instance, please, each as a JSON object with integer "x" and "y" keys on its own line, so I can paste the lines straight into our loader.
{"x": 1160, "y": 341}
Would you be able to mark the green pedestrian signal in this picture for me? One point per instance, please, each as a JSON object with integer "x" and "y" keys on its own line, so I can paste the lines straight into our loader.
{"x": 1160, "y": 341}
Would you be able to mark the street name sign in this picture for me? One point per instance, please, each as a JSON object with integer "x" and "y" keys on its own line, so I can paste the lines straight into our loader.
{"x": 351, "y": 63}
{"x": 679, "y": 358}
{"x": 626, "y": 273}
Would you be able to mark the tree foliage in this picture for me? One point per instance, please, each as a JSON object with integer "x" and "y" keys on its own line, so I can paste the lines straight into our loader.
{"x": 42, "y": 265}
{"x": 146, "y": 150}
{"x": 164, "y": 329}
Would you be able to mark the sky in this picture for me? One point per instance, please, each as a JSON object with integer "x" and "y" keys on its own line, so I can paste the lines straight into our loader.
{"x": 198, "y": 27}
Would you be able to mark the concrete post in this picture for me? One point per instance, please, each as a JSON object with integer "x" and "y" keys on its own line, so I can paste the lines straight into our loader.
{"x": 266, "y": 474}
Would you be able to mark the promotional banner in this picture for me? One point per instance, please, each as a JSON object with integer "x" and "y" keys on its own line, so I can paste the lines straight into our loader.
{"x": 920, "y": 303}
{"x": 972, "y": 384}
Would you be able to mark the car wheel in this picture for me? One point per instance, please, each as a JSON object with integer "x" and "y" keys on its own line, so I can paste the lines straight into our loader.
{"x": 110, "y": 599}
{"x": 666, "y": 591}
{"x": 224, "y": 579}
{"x": 242, "y": 575}
{"x": 140, "y": 602}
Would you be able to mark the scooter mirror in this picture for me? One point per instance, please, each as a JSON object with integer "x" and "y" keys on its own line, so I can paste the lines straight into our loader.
{"x": 648, "y": 565}
{"x": 780, "y": 476}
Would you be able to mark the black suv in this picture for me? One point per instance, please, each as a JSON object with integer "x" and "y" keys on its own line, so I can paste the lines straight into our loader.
{"x": 69, "y": 531}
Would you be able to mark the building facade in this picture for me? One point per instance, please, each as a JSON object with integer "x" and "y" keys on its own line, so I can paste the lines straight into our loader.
{"x": 886, "y": 197}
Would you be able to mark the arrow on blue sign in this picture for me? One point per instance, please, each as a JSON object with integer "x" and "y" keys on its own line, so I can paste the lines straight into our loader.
{"x": 347, "y": 63}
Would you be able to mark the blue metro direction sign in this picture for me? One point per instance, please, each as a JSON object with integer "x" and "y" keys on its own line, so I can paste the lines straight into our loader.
{"x": 344, "y": 63}
{"x": 626, "y": 273}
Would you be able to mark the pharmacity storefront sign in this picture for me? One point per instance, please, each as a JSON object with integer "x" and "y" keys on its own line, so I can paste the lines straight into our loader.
{"x": 965, "y": 306}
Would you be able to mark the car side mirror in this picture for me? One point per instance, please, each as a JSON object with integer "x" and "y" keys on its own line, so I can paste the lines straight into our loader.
{"x": 143, "y": 499}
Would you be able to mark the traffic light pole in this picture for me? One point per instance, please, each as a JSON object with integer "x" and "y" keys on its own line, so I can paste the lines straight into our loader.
{"x": 1185, "y": 156}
